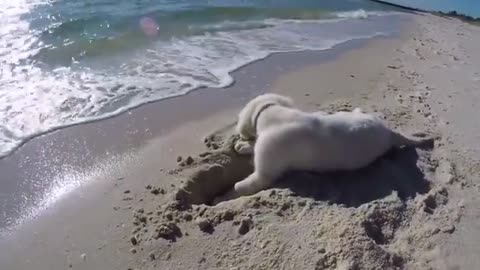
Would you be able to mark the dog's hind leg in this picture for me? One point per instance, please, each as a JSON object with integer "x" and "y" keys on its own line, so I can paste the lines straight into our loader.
{"x": 399, "y": 140}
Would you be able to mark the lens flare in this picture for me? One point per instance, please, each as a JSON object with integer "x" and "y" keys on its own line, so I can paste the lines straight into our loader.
{"x": 149, "y": 27}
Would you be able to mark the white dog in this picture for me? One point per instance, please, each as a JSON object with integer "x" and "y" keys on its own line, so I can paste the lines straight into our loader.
{"x": 288, "y": 139}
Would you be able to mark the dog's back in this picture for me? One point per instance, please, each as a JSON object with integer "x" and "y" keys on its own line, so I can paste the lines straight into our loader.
{"x": 332, "y": 142}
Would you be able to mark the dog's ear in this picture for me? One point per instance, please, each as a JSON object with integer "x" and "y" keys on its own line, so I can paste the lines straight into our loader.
{"x": 246, "y": 117}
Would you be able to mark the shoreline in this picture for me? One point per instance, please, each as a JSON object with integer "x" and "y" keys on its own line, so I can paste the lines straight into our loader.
{"x": 166, "y": 99}
{"x": 43, "y": 157}
{"x": 398, "y": 20}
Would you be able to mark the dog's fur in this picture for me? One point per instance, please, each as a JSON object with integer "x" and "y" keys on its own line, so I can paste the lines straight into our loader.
{"x": 289, "y": 139}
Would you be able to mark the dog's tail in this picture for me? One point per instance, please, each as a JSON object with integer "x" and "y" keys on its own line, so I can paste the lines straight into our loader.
{"x": 420, "y": 140}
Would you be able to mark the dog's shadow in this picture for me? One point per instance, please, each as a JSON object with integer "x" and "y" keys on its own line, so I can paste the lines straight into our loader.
{"x": 395, "y": 171}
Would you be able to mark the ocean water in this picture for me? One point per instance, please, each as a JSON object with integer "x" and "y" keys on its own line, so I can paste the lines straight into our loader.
{"x": 65, "y": 62}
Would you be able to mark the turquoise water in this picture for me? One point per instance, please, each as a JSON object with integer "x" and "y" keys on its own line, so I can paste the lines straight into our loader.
{"x": 69, "y": 61}
{"x": 468, "y": 7}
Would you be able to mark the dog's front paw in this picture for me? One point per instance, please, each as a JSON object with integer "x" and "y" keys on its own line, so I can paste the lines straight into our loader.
{"x": 243, "y": 147}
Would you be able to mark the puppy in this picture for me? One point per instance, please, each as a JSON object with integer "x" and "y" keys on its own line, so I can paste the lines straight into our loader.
{"x": 288, "y": 139}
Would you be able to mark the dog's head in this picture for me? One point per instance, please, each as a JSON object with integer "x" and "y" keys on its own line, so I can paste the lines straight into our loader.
{"x": 247, "y": 118}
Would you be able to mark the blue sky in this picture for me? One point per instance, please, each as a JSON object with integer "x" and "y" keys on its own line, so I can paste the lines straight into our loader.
{"x": 469, "y": 7}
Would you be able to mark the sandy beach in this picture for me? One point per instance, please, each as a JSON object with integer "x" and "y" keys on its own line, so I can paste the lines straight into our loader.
{"x": 136, "y": 187}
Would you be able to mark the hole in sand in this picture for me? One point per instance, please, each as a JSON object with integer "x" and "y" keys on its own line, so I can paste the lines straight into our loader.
{"x": 218, "y": 174}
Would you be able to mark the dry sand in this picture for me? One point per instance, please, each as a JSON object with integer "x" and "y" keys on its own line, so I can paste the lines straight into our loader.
{"x": 412, "y": 209}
